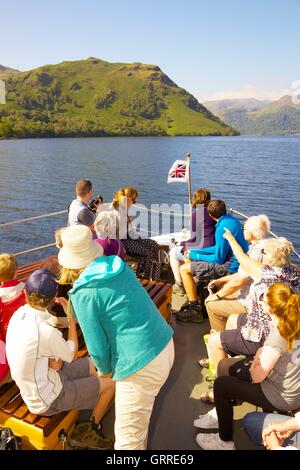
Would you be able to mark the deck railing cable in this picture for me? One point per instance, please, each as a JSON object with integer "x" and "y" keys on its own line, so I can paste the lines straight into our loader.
{"x": 53, "y": 214}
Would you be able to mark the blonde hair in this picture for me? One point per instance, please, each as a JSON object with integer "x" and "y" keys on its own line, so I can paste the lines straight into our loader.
{"x": 258, "y": 225}
{"x": 8, "y": 267}
{"x": 277, "y": 252}
{"x": 286, "y": 306}
{"x": 201, "y": 196}
{"x": 69, "y": 276}
{"x": 122, "y": 195}
{"x": 36, "y": 300}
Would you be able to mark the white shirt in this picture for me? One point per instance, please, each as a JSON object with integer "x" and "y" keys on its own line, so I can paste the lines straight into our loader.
{"x": 30, "y": 342}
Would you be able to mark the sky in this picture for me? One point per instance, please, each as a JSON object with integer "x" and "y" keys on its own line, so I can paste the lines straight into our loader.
{"x": 214, "y": 49}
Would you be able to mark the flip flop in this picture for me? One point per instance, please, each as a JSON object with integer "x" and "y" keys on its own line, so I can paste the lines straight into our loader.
{"x": 204, "y": 362}
{"x": 206, "y": 398}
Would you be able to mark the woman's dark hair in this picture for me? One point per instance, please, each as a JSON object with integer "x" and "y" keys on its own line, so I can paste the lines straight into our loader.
{"x": 201, "y": 196}
{"x": 216, "y": 209}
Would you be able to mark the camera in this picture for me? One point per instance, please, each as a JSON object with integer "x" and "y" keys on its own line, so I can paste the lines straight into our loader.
{"x": 212, "y": 288}
{"x": 94, "y": 203}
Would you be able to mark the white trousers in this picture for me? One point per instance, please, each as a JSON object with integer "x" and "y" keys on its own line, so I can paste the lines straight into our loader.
{"x": 134, "y": 400}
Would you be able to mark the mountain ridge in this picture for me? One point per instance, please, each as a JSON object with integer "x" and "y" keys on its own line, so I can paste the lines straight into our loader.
{"x": 94, "y": 97}
{"x": 258, "y": 117}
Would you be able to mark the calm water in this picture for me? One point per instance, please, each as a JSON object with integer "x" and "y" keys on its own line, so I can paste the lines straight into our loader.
{"x": 252, "y": 174}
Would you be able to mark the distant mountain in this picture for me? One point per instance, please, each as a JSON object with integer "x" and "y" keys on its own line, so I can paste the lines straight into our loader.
{"x": 252, "y": 116}
{"x": 97, "y": 98}
{"x": 7, "y": 72}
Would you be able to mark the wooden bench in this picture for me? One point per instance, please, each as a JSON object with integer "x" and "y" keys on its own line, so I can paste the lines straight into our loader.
{"x": 43, "y": 433}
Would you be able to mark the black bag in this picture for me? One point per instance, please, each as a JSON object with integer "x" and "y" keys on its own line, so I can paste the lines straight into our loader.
{"x": 8, "y": 441}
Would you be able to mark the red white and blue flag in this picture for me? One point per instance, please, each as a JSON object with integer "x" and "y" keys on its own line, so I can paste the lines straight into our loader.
{"x": 179, "y": 172}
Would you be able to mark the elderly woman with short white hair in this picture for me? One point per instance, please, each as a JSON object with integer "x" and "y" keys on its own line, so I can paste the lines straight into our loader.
{"x": 232, "y": 296}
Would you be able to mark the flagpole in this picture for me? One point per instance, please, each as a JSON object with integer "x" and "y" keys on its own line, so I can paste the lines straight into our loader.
{"x": 188, "y": 159}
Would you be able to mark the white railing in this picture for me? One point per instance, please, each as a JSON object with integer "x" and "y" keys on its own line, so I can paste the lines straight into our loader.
{"x": 54, "y": 214}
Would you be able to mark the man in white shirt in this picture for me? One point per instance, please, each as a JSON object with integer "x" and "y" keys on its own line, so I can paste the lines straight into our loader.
{"x": 45, "y": 368}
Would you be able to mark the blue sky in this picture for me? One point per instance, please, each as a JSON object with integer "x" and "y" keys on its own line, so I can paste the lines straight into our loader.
{"x": 213, "y": 49}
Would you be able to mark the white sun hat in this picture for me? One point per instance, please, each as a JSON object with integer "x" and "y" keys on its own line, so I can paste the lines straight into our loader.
{"x": 79, "y": 249}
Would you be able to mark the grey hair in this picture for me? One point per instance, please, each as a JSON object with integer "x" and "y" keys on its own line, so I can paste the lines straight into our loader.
{"x": 258, "y": 225}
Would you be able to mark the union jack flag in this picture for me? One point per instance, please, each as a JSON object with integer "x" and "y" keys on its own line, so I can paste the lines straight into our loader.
{"x": 178, "y": 172}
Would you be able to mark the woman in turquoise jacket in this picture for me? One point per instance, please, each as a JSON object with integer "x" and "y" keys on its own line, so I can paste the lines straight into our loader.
{"x": 124, "y": 332}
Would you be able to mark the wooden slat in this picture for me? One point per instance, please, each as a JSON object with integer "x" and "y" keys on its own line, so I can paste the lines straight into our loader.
{"x": 24, "y": 272}
{"x": 4, "y": 388}
{"x": 31, "y": 418}
{"x": 165, "y": 289}
{"x": 48, "y": 424}
{"x": 13, "y": 405}
{"x": 21, "y": 412}
{"x": 156, "y": 289}
{"x": 8, "y": 395}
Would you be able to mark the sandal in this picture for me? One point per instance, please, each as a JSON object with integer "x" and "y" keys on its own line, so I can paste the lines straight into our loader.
{"x": 207, "y": 398}
{"x": 204, "y": 362}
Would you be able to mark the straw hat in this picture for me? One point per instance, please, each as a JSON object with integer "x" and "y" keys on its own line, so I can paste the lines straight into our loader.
{"x": 79, "y": 249}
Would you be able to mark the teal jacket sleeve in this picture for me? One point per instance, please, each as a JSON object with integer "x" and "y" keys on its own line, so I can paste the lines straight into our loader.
{"x": 88, "y": 315}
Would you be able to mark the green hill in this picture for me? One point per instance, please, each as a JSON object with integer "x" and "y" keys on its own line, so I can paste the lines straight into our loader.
{"x": 259, "y": 117}
{"x": 97, "y": 98}
{"x": 6, "y": 72}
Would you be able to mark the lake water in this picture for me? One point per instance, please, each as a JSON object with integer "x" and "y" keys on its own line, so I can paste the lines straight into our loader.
{"x": 251, "y": 174}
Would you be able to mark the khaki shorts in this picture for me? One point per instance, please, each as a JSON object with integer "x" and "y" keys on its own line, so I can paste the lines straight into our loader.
{"x": 80, "y": 390}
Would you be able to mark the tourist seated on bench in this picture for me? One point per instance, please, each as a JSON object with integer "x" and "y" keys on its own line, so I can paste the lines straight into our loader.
{"x": 209, "y": 262}
{"x": 45, "y": 368}
{"x": 271, "y": 381}
{"x": 233, "y": 294}
{"x": 144, "y": 248}
{"x": 202, "y": 235}
{"x": 245, "y": 334}
{"x": 11, "y": 298}
{"x": 274, "y": 431}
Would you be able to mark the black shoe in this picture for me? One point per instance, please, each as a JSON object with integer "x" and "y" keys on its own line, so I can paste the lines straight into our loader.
{"x": 191, "y": 313}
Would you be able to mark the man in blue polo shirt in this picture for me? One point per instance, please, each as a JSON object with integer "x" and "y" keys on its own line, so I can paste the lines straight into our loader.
{"x": 210, "y": 263}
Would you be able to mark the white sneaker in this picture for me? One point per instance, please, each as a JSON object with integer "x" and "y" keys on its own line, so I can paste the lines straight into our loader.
{"x": 213, "y": 442}
{"x": 208, "y": 421}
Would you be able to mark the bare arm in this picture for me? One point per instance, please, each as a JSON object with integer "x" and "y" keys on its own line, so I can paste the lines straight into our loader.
{"x": 72, "y": 334}
{"x": 233, "y": 285}
{"x": 252, "y": 267}
{"x": 282, "y": 430}
{"x": 264, "y": 361}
